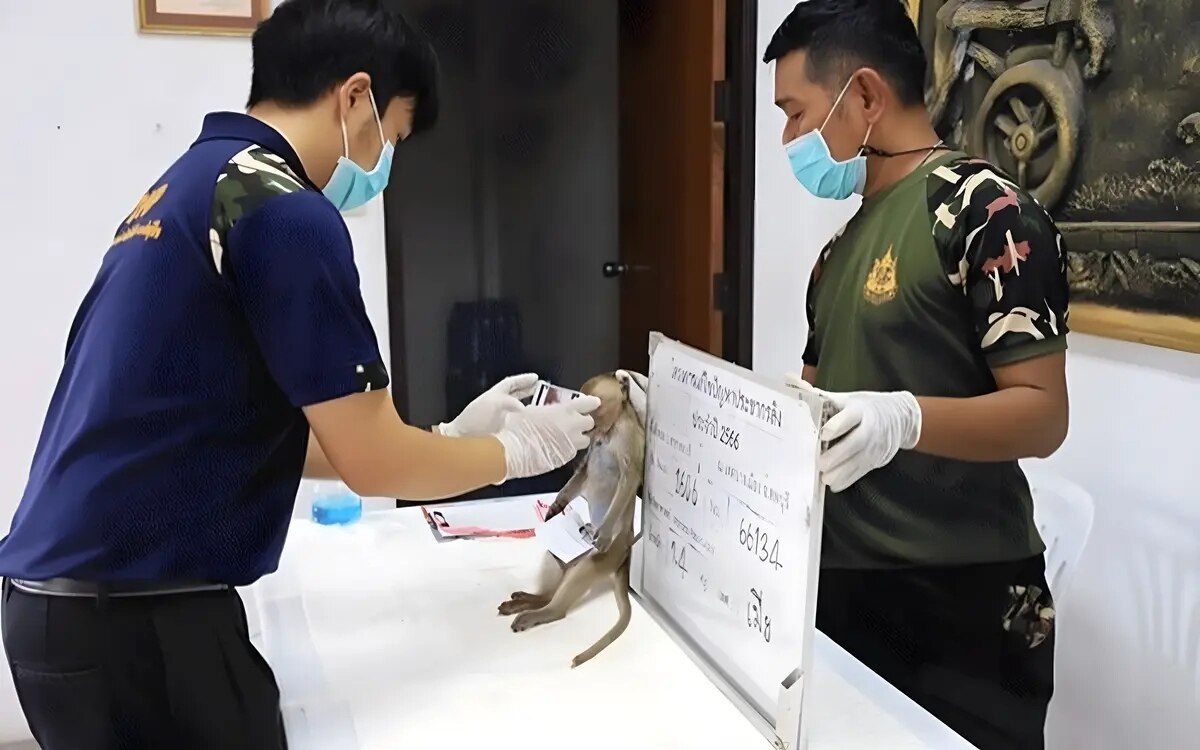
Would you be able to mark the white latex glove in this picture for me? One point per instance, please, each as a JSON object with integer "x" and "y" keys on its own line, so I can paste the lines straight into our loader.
{"x": 638, "y": 385}
{"x": 485, "y": 415}
{"x": 870, "y": 429}
{"x": 539, "y": 439}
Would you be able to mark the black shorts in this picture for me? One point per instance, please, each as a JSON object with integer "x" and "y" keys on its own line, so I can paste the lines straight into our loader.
{"x": 174, "y": 671}
{"x": 973, "y": 645}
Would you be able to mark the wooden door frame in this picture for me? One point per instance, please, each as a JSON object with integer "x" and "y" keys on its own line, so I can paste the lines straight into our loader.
{"x": 691, "y": 257}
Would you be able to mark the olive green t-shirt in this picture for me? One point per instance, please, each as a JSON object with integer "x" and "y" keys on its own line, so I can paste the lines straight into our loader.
{"x": 948, "y": 273}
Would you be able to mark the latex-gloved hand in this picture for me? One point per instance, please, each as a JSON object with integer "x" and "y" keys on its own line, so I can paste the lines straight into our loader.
{"x": 539, "y": 439}
{"x": 485, "y": 415}
{"x": 870, "y": 428}
{"x": 637, "y": 384}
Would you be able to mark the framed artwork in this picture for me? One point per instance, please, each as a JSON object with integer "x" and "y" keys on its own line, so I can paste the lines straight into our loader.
{"x": 211, "y": 17}
{"x": 1077, "y": 101}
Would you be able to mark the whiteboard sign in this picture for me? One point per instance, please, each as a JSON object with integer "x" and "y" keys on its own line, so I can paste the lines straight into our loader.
{"x": 731, "y": 524}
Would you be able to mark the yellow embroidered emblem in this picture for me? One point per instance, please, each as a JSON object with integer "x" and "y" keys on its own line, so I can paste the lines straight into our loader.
{"x": 150, "y": 230}
{"x": 881, "y": 281}
{"x": 146, "y": 203}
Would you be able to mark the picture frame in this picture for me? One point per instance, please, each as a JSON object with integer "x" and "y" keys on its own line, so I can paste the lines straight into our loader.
{"x": 201, "y": 17}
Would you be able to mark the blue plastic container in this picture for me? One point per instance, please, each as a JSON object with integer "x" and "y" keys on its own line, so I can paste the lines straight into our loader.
{"x": 337, "y": 508}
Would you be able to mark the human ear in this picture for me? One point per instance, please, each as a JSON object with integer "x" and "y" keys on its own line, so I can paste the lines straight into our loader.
{"x": 354, "y": 101}
{"x": 871, "y": 94}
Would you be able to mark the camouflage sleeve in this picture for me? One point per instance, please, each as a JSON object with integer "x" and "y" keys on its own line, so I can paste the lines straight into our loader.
{"x": 293, "y": 273}
{"x": 1003, "y": 250}
{"x": 287, "y": 256}
{"x": 812, "y": 347}
{"x": 250, "y": 179}
{"x": 812, "y": 352}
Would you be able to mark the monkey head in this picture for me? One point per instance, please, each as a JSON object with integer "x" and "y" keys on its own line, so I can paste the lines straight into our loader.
{"x": 614, "y": 400}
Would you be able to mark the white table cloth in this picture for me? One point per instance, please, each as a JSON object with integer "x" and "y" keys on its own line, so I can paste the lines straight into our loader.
{"x": 384, "y": 639}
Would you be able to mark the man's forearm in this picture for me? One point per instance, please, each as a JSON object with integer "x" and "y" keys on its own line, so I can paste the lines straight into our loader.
{"x": 376, "y": 454}
{"x": 1010, "y": 424}
{"x": 438, "y": 467}
{"x": 316, "y": 463}
{"x": 427, "y": 466}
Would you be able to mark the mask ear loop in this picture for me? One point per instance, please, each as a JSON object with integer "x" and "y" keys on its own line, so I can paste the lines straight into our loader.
{"x": 378, "y": 122}
{"x": 863, "y": 148}
{"x": 836, "y": 102}
{"x": 345, "y": 140}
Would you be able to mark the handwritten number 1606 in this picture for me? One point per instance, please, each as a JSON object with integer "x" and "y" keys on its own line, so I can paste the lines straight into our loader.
{"x": 758, "y": 543}
{"x": 685, "y": 486}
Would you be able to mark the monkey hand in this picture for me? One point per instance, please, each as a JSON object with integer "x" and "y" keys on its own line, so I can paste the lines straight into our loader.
{"x": 589, "y": 534}
{"x": 637, "y": 384}
{"x": 557, "y": 507}
{"x": 485, "y": 415}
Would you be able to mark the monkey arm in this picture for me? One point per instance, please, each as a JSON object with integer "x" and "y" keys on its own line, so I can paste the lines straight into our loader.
{"x": 569, "y": 492}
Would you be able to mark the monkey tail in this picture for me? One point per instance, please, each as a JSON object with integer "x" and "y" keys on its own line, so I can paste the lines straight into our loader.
{"x": 621, "y": 590}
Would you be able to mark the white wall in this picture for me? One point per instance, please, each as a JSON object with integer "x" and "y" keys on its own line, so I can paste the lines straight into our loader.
{"x": 790, "y": 225}
{"x": 94, "y": 113}
{"x": 1129, "y": 649}
{"x": 1128, "y": 660}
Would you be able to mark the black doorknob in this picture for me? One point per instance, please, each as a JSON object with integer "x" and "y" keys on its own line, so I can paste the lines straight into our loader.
{"x": 613, "y": 269}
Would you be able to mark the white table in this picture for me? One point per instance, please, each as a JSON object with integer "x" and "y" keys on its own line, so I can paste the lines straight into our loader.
{"x": 383, "y": 638}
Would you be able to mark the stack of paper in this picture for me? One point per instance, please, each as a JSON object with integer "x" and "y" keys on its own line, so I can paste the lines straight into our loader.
{"x": 515, "y": 518}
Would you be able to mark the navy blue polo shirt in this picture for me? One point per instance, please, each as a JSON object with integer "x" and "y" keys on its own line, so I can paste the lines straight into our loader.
{"x": 175, "y": 441}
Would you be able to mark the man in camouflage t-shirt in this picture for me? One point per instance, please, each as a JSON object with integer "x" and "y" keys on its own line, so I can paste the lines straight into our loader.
{"x": 937, "y": 325}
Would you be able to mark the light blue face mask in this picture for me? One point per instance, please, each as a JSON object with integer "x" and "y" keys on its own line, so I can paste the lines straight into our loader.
{"x": 351, "y": 186}
{"x": 816, "y": 168}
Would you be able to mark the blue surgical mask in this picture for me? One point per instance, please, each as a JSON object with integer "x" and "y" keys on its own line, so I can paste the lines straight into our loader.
{"x": 816, "y": 169}
{"x": 351, "y": 186}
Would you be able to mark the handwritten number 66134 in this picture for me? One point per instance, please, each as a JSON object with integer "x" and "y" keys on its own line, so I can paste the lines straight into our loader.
{"x": 759, "y": 543}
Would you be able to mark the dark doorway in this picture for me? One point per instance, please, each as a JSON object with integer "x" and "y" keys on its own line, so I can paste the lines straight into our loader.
{"x": 590, "y": 181}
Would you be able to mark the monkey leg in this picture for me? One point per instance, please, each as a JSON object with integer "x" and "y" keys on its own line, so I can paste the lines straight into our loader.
{"x": 578, "y": 579}
{"x": 523, "y": 602}
{"x": 550, "y": 573}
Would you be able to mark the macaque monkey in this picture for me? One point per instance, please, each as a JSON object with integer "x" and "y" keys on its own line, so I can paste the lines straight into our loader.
{"x": 608, "y": 478}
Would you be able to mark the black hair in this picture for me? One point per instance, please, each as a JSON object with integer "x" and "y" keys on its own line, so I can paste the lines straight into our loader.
{"x": 307, "y": 47}
{"x": 843, "y": 35}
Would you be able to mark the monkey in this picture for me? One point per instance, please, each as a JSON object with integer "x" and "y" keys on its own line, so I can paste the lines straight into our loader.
{"x": 608, "y": 477}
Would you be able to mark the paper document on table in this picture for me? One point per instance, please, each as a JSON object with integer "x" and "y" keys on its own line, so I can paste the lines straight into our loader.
{"x": 489, "y": 518}
{"x": 568, "y": 535}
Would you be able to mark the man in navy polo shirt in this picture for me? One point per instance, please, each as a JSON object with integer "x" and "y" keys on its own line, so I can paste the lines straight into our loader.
{"x": 223, "y": 350}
